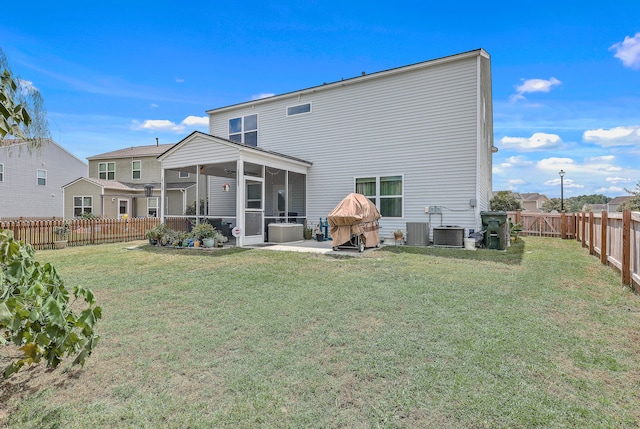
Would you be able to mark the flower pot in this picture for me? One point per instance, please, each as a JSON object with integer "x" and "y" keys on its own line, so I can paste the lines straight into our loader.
{"x": 60, "y": 244}
{"x": 320, "y": 237}
{"x": 208, "y": 242}
{"x": 196, "y": 243}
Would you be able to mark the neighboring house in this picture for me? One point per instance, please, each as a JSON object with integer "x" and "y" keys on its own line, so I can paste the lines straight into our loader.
{"x": 417, "y": 140}
{"x": 533, "y": 202}
{"x": 127, "y": 182}
{"x": 31, "y": 179}
{"x": 612, "y": 205}
{"x": 595, "y": 208}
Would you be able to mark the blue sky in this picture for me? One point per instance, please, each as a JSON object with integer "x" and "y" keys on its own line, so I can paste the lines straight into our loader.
{"x": 566, "y": 75}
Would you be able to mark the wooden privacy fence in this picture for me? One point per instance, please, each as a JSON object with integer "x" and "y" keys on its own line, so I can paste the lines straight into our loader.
{"x": 558, "y": 225}
{"x": 612, "y": 237}
{"x": 41, "y": 234}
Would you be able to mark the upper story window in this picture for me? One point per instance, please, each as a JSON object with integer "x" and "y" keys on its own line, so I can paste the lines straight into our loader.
{"x": 386, "y": 192}
{"x": 136, "y": 169}
{"x": 183, "y": 174}
{"x": 107, "y": 170}
{"x": 299, "y": 109}
{"x": 42, "y": 177}
{"x": 244, "y": 130}
{"x": 1, "y": 172}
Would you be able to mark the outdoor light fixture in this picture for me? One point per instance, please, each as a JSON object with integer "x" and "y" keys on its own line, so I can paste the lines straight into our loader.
{"x": 561, "y": 173}
{"x": 148, "y": 190}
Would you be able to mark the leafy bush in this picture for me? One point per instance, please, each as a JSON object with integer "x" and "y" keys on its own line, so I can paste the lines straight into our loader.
{"x": 35, "y": 312}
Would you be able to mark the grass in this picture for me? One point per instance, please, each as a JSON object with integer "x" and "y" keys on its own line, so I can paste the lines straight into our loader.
{"x": 541, "y": 335}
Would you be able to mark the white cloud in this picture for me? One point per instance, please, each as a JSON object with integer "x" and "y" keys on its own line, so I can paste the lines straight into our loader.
{"x": 618, "y": 136}
{"x": 196, "y": 121}
{"x": 533, "y": 85}
{"x": 158, "y": 124}
{"x": 154, "y": 105}
{"x": 517, "y": 182}
{"x": 515, "y": 161}
{"x": 262, "y": 95}
{"x": 556, "y": 164}
{"x": 603, "y": 158}
{"x": 538, "y": 141}
{"x": 179, "y": 80}
{"x": 617, "y": 180}
{"x": 609, "y": 190}
{"x": 628, "y": 51}
{"x": 167, "y": 125}
{"x": 568, "y": 183}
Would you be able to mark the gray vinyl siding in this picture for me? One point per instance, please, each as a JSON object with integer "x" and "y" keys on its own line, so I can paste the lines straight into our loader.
{"x": 201, "y": 151}
{"x": 19, "y": 191}
{"x": 82, "y": 188}
{"x": 421, "y": 123}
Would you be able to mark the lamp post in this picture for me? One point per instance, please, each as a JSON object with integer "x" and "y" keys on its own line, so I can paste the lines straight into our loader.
{"x": 561, "y": 190}
{"x": 148, "y": 190}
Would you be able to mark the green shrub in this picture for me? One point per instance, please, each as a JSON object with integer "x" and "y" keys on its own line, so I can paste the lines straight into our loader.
{"x": 35, "y": 312}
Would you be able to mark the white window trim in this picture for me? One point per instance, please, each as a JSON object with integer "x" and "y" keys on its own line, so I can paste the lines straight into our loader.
{"x": 180, "y": 174}
{"x": 378, "y": 196}
{"x": 82, "y": 206}
{"x": 243, "y": 131}
{"x": 132, "y": 170}
{"x": 107, "y": 170}
{"x": 157, "y": 206}
{"x": 1, "y": 172}
{"x": 38, "y": 177}
{"x": 301, "y": 113}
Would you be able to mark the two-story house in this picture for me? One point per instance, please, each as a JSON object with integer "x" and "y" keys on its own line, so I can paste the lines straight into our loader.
{"x": 127, "y": 182}
{"x": 416, "y": 140}
{"x": 31, "y": 180}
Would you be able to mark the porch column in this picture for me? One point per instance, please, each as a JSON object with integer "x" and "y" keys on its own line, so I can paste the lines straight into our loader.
{"x": 163, "y": 195}
{"x": 240, "y": 197}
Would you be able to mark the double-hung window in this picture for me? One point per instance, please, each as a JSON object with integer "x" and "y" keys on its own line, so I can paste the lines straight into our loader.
{"x": 82, "y": 205}
{"x": 42, "y": 177}
{"x": 152, "y": 207}
{"x": 386, "y": 192}
{"x": 107, "y": 170}
{"x": 136, "y": 169}
{"x": 244, "y": 130}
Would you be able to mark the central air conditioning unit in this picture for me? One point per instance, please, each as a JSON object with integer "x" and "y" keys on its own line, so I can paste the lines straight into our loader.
{"x": 417, "y": 233}
{"x": 448, "y": 236}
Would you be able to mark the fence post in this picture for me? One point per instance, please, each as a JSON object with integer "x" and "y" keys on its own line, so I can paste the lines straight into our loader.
{"x": 584, "y": 227}
{"x": 518, "y": 216}
{"x": 603, "y": 239}
{"x": 626, "y": 247}
{"x": 591, "y": 228}
{"x": 563, "y": 225}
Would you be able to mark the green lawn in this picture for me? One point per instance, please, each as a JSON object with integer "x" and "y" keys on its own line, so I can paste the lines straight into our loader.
{"x": 539, "y": 336}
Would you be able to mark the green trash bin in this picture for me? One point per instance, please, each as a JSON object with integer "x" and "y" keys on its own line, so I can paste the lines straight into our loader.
{"x": 496, "y": 230}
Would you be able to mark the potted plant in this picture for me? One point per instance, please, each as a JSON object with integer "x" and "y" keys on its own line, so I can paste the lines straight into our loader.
{"x": 61, "y": 233}
{"x": 155, "y": 234}
{"x": 398, "y": 234}
{"x": 220, "y": 239}
{"x": 307, "y": 233}
{"x": 204, "y": 231}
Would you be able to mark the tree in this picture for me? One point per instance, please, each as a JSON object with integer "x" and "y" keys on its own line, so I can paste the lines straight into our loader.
{"x": 35, "y": 312}
{"x": 632, "y": 203}
{"x": 22, "y": 112}
{"x": 505, "y": 201}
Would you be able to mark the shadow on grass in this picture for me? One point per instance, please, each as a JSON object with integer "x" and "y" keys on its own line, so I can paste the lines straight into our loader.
{"x": 511, "y": 256}
{"x": 190, "y": 251}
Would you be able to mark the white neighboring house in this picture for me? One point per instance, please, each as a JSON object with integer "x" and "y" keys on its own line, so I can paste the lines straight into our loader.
{"x": 31, "y": 180}
{"x": 417, "y": 140}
